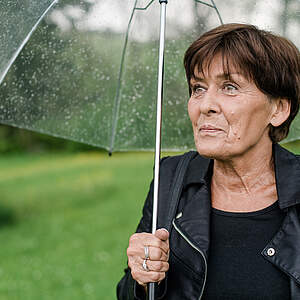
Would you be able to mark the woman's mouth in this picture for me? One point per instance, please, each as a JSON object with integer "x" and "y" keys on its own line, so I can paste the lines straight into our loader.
{"x": 209, "y": 130}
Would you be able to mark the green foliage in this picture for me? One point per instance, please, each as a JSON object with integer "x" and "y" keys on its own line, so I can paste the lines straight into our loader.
{"x": 15, "y": 140}
{"x": 65, "y": 222}
{"x": 293, "y": 146}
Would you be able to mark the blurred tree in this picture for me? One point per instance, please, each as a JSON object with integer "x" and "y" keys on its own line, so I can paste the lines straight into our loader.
{"x": 289, "y": 14}
{"x": 16, "y": 140}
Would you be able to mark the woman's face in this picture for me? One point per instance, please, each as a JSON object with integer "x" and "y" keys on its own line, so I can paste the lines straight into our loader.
{"x": 229, "y": 116}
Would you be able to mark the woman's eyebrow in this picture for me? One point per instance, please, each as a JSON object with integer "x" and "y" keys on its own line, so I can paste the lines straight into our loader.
{"x": 218, "y": 76}
{"x": 228, "y": 75}
{"x": 196, "y": 79}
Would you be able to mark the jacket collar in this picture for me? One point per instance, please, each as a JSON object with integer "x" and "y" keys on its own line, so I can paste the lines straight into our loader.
{"x": 199, "y": 170}
{"x": 287, "y": 174}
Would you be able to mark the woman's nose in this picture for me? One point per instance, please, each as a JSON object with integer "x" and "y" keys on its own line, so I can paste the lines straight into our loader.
{"x": 209, "y": 103}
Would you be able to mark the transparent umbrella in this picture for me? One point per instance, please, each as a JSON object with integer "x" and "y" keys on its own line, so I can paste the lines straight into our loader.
{"x": 68, "y": 80}
{"x": 86, "y": 70}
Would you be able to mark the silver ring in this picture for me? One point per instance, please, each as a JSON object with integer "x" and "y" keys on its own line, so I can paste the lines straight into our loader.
{"x": 145, "y": 267}
{"x": 146, "y": 248}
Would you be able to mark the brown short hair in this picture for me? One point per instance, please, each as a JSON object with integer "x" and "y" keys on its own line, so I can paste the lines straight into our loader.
{"x": 272, "y": 62}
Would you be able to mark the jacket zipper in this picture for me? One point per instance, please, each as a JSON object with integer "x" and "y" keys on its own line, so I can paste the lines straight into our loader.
{"x": 197, "y": 249}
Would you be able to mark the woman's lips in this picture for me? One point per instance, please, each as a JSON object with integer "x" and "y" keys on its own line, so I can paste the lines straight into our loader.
{"x": 209, "y": 129}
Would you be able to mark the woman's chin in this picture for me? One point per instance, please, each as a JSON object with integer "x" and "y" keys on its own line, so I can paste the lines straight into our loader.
{"x": 208, "y": 151}
{"x": 212, "y": 149}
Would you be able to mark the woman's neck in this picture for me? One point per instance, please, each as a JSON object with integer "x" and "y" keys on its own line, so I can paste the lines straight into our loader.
{"x": 245, "y": 183}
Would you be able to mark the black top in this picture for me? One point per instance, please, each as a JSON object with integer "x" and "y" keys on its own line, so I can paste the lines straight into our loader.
{"x": 236, "y": 268}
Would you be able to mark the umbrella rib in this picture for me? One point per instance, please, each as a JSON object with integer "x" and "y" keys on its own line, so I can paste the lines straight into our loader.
{"x": 144, "y": 8}
{"x": 117, "y": 97}
{"x": 218, "y": 13}
{"x": 204, "y": 3}
{"x": 26, "y": 40}
{"x": 213, "y": 5}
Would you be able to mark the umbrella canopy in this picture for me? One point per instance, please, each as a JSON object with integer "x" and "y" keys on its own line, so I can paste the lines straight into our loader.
{"x": 88, "y": 72}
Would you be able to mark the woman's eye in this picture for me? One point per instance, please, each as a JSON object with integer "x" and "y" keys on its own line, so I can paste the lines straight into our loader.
{"x": 230, "y": 89}
{"x": 198, "y": 90}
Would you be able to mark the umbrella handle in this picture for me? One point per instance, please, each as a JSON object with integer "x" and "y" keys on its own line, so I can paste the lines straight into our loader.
{"x": 163, "y": 8}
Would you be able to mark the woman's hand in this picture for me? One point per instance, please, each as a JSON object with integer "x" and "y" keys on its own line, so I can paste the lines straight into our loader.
{"x": 154, "y": 267}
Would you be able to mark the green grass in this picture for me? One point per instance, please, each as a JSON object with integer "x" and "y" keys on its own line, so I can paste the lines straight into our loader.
{"x": 65, "y": 222}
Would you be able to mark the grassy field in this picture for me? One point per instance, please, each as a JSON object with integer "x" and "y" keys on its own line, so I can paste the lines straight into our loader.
{"x": 65, "y": 222}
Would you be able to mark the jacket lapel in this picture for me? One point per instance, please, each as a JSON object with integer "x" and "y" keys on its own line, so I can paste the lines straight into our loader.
{"x": 286, "y": 242}
{"x": 286, "y": 246}
{"x": 287, "y": 173}
{"x": 194, "y": 219}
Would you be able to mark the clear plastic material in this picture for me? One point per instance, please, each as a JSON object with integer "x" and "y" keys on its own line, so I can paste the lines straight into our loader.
{"x": 89, "y": 71}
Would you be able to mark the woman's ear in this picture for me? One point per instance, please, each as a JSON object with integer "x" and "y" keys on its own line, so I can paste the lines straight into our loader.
{"x": 281, "y": 111}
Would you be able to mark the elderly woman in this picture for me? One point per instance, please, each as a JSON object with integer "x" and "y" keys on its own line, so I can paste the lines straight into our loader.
{"x": 237, "y": 230}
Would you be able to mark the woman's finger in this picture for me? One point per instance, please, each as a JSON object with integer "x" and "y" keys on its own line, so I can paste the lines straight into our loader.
{"x": 155, "y": 266}
{"x": 162, "y": 234}
{"x": 138, "y": 240}
{"x": 156, "y": 243}
{"x": 156, "y": 254}
{"x": 144, "y": 277}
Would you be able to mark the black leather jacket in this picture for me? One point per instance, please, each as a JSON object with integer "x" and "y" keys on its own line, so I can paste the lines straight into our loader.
{"x": 189, "y": 237}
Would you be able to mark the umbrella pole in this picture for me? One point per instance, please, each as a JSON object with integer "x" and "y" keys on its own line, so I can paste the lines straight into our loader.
{"x": 163, "y": 8}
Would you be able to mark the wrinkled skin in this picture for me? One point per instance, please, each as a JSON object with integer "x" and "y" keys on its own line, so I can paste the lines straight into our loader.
{"x": 157, "y": 263}
{"x": 229, "y": 116}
